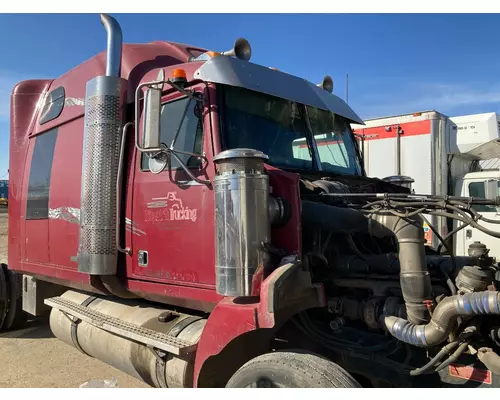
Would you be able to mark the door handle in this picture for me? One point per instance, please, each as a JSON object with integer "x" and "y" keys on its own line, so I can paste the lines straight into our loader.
{"x": 468, "y": 233}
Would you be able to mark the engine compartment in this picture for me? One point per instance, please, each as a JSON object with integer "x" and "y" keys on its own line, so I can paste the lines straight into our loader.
{"x": 414, "y": 320}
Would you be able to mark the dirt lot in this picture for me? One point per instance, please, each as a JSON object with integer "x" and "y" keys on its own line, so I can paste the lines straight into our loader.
{"x": 34, "y": 358}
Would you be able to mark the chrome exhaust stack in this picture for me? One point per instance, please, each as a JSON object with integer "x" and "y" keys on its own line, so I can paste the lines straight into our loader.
{"x": 114, "y": 47}
{"x": 105, "y": 101}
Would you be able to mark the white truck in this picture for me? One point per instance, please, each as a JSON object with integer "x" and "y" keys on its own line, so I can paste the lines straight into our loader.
{"x": 456, "y": 156}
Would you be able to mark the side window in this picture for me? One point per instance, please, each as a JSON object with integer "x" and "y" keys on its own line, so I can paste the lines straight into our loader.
{"x": 477, "y": 189}
{"x": 53, "y": 106}
{"x": 39, "y": 182}
{"x": 175, "y": 117}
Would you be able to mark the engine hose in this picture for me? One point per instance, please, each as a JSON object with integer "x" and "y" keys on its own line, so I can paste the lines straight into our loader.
{"x": 489, "y": 232}
{"x": 468, "y": 221}
{"x": 444, "y": 318}
{"x": 473, "y": 222}
{"x": 449, "y": 235}
{"x": 475, "y": 213}
{"x": 436, "y": 233}
{"x": 430, "y": 367}
{"x": 454, "y": 357}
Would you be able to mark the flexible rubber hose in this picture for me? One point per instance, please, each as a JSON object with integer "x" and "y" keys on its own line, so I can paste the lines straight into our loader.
{"x": 444, "y": 318}
{"x": 429, "y": 367}
{"x": 454, "y": 357}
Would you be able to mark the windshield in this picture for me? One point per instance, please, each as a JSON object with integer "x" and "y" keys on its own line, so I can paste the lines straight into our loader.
{"x": 282, "y": 130}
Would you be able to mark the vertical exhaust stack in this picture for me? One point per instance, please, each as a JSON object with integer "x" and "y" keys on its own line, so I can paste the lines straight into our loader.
{"x": 104, "y": 104}
{"x": 242, "y": 220}
{"x": 114, "y": 47}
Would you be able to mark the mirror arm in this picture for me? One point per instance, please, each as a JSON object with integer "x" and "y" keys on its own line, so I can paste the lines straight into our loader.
{"x": 189, "y": 93}
{"x": 180, "y": 125}
{"x": 201, "y": 156}
{"x": 202, "y": 181}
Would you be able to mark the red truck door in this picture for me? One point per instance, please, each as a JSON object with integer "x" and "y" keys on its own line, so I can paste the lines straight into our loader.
{"x": 172, "y": 221}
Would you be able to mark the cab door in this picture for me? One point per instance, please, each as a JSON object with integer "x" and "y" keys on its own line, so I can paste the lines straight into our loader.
{"x": 469, "y": 235}
{"x": 172, "y": 221}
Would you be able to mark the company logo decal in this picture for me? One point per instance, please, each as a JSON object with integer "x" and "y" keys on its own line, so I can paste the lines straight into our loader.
{"x": 173, "y": 208}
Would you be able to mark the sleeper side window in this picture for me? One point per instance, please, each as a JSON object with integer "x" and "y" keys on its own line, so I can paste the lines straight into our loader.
{"x": 37, "y": 206}
{"x": 183, "y": 120}
{"x": 53, "y": 106}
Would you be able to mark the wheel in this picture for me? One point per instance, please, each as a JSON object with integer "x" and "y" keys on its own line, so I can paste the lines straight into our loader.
{"x": 15, "y": 317}
{"x": 291, "y": 369}
{"x": 4, "y": 296}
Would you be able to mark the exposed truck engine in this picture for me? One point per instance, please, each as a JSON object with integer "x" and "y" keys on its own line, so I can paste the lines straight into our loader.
{"x": 160, "y": 211}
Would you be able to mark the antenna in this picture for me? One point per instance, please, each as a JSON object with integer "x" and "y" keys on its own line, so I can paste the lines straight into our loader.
{"x": 347, "y": 88}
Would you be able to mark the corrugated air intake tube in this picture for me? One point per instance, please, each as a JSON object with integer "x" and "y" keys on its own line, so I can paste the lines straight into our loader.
{"x": 444, "y": 318}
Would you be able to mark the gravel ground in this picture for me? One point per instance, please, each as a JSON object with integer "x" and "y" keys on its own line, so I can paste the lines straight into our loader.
{"x": 34, "y": 358}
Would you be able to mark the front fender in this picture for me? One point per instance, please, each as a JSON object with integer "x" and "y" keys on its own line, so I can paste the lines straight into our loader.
{"x": 284, "y": 293}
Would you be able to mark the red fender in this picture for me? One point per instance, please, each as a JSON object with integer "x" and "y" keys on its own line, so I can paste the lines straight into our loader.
{"x": 285, "y": 292}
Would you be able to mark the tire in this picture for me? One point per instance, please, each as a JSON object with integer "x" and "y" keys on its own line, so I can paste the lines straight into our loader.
{"x": 4, "y": 296}
{"x": 291, "y": 369}
{"x": 16, "y": 317}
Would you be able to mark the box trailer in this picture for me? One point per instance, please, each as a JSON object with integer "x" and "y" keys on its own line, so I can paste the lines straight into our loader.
{"x": 444, "y": 156}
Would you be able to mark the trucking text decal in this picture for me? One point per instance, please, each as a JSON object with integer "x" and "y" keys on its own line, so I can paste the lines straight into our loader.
{"x": 172, "y": 209}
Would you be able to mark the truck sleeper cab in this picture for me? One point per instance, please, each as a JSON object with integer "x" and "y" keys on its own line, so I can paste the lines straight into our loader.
{"x": 62, "y": 213}
{"x": 172, "y": 208}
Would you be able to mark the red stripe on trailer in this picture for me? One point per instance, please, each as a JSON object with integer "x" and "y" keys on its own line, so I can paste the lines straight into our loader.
{"x": 390, "y": 131}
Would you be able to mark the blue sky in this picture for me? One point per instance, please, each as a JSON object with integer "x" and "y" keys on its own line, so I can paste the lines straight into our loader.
{"x": 396, "y": 63}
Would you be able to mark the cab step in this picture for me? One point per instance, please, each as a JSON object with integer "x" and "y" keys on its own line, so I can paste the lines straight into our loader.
{"x": 148, "y": 337}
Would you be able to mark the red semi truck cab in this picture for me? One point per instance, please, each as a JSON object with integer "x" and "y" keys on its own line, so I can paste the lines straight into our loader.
{"x": 197, "y": 220}
{"x": 108, "y": 200}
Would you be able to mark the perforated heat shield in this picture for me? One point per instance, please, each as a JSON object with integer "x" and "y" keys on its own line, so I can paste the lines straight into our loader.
{"x": 104, "y": 106}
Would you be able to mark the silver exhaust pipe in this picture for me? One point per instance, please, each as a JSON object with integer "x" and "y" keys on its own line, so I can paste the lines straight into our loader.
{"x": 114, "y": 48}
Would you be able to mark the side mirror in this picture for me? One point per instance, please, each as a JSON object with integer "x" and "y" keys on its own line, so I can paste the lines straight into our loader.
{"x": 151, "y": 114}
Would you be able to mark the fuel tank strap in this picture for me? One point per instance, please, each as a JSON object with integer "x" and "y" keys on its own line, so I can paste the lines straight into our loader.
{"x": 177, "y": 328}
{"x": 161, "y": 373}
{"x": 76, "y": 321}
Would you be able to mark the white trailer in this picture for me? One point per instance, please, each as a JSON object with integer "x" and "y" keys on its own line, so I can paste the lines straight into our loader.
{"x": 445, "y": 156}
